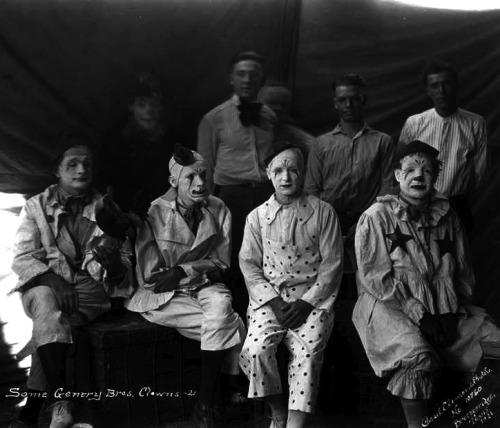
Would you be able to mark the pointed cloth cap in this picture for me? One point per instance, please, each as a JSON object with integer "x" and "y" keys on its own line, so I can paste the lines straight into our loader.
{"x": 181, "y": 158}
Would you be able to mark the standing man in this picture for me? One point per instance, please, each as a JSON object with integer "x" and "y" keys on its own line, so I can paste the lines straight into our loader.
{"x": 235, "y": 138}
{"x": 182, "y": 249}
{"x": 291, "y": 258}
{"x": 459, "y": 135}
{"x": 350, "y": 166}
{"x": 415, "y": 282}
{"x": 278, "y": 98}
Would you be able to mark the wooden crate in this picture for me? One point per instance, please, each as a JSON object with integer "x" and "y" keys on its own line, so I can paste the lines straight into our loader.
{"x": 147, "y": 374}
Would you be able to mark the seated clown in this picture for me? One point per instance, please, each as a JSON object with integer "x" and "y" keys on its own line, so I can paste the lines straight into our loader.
{"x": 67, "y": 271}
{"x": 291, "y": 258}
{"x": 415, "y": 282}
{"x": 182, "y": 249}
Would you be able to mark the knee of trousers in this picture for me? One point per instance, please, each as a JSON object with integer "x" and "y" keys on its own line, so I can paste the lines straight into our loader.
{"x": 49, "y": 323}
{"x": 40, "y": 301}
{"x": 220, "y": 313}
{"x": 256, "y": 350}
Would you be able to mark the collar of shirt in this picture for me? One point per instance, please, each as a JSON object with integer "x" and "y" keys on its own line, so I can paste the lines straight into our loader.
{"x": 456, "y": 113}
{"x": 265, "y": 112}
{"x": 338, "y": 130}
{"x": 301, "y": 205}
{"x": 57, "y": 198}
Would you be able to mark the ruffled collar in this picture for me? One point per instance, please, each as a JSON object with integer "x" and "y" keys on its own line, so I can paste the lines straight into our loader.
{"x": 436, "y": 209}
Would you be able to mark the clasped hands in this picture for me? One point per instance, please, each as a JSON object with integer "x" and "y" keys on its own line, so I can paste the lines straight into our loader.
{"x": 290, "y": 315}
{"x": 439, "y": 330}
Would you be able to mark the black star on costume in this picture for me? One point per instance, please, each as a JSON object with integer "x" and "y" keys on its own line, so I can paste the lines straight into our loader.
{"x": 445, "y": 245}
{"x": 398, "y": 239}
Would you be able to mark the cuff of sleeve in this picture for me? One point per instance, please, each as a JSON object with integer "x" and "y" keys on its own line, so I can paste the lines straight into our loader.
{"x": 188, "y": 270}
{"x": 414, "y": 310}
{"x": 262, "y": 296}
{"x": 31, "y": 274}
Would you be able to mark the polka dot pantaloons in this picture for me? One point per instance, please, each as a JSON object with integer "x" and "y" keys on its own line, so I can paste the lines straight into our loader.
{"x": 305, "y": 345}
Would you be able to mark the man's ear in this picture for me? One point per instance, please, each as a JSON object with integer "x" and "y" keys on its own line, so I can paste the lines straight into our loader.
{"x": 268, "y": 172}
{"x": 335, "y": 104}
{"x": 231, "y": 77}
{"x": 173, "y": 181}
{"x": 398, "y": 174}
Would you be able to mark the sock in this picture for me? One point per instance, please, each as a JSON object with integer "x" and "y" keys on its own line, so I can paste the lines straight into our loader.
{"x": 415, "y": 411}
{"x": 29, "y": 412}
{"x": 53, "y": 359}
{"x": 211, "y": 362}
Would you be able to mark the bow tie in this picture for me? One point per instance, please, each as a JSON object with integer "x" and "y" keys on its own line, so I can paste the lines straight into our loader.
{"x": 191, "y": 215}
{"x": 73, "y": 204}
{"x": 417, "y": 212}
{"x": 249, "y": 113}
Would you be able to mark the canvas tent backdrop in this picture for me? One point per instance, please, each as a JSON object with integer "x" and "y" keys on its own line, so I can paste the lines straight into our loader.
{"x": 68, "y": 65}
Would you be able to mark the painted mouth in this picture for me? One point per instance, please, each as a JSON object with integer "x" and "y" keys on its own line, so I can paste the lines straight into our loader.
{"x": 419, "y": 186}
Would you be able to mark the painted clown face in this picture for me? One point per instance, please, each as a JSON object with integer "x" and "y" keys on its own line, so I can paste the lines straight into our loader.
{"x": 286, "y": 173}
{"x": 191, "y": 184}
{"x": 75, "y": 170}
{"x": 416, "y": 177}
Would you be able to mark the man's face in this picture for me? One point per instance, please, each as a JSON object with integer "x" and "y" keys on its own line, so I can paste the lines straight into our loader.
{"x": 278, "y": 99}
{"x": 286, "y": 173}
{"x": 442, "y": 90}
{"x": 146, "y": 111}
{"x": 246, "y": 79}
{"x": 349, "y": 102}
{"x": 416, "y": 177}
{"x": 192, "y": 185}
{"x": 75, "y": 170}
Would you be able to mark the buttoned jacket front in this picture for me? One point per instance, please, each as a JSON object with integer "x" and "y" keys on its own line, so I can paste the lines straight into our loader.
{"x": 301, "y": 260}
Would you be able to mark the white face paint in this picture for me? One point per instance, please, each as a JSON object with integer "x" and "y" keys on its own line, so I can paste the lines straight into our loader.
{"x": 286, "y": 173}
{"x": 191, "y": 184}
{"x": 416, "y": 177}
{"x": 75, "y": 170}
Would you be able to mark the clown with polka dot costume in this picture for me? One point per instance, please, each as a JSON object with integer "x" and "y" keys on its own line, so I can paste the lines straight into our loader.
{"x": 291, "y": 258}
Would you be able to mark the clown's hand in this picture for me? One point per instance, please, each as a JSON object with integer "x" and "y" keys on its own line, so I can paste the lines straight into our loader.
{"x": 168, "y": 280}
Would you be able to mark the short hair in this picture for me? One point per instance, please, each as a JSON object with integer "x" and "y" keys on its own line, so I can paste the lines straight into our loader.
{"x": 349, "y": 80}
{"x": 246, "y": 56}
{"x": 66, "y": 141}
{"x": 435, "y": 66}
{"x": 147, "y": 86}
